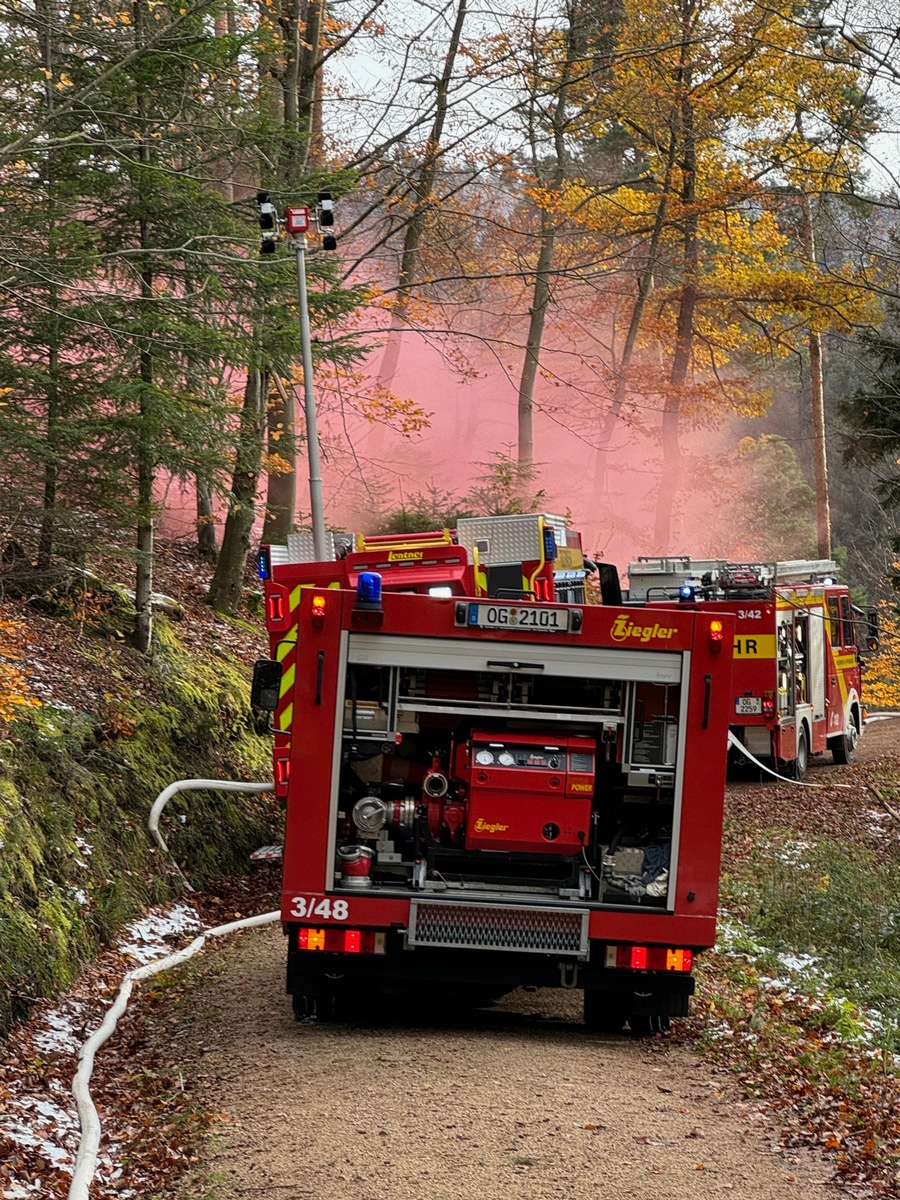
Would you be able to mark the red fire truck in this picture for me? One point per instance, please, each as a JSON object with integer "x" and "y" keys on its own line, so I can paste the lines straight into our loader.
{"x": 486, "y": 789}
{"x": 797, "y": 671}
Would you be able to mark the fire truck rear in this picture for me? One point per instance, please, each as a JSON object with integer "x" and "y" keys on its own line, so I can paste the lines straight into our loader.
{"x": 798, "y": 640}
{"x": 485, "y": 791}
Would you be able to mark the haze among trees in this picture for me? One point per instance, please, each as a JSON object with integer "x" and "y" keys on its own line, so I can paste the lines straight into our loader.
{"x": 648, "y": 217}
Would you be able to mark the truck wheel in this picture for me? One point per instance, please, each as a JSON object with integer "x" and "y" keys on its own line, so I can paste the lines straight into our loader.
{"x": 599, "y": 1016}
{"x": 801, "y": 762}
{"x": 304, "y": 1008}
{"x": 643, "y": 1025}
{"x": 843, "y": 748}
{"x": 308, "y": 1009}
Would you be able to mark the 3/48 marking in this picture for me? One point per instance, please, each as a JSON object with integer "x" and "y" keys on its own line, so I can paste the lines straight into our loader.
{"x": 312, "y": 906}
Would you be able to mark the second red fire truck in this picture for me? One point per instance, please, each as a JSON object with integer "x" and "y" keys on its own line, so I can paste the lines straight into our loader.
{"x": 797, "y": 686}
{"x": 489, "y": 784}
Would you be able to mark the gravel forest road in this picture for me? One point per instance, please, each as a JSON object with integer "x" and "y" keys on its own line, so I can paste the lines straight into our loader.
{"x": 516, "y": 1101}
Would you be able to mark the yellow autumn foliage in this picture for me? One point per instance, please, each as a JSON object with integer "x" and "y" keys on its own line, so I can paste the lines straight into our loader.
{"x": 14, "y": 694}
{"x": 881, "y": 683}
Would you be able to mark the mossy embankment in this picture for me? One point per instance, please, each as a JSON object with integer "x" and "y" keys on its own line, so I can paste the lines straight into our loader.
{"x": 76, "y": 786}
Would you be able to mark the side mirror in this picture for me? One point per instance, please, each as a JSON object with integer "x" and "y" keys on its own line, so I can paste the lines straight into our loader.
{"x": 265, "y": 686}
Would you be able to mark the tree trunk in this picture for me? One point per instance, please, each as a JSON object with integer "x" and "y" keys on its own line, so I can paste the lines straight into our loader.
{"x": 681, "y": 359}
{"x": 644, "y": 288}
{"x": 281, "y": 494}
{"x": 227, "y": 584}
{"x": 540, "y": 296}
{"x": 423, "y": 187}
{"x": 207, "y": 546}
{"x": 817, "y": 400}
{"x": 48, "y": 37}
{"x": 540, "y": 301}
{"x": 309, "y": 81}
{"x": 302, "y": 33}
{"x": 144, "y": 450}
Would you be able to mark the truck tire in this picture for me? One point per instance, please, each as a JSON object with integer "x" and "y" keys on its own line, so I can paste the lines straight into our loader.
{"x": 843, "y": 747}
{"x": 305, "y": 1008}
{"x": 801, "y": 762}
{"x": 646, "y": 1025}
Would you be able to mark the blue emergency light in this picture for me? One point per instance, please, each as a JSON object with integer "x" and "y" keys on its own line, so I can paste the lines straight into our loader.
{"x": 368, "y": 591}
{"x": 264, "y": 562}
{"x": 686, "y": 593}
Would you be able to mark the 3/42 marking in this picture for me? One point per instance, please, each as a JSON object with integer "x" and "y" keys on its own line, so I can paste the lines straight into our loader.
{"x": 313, "y": 906}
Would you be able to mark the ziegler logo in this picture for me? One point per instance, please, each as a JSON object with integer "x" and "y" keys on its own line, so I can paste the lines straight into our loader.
{"x": 482, "y": 826}
{"x": 624, "y": 629}
{"x": 405, "y": 555}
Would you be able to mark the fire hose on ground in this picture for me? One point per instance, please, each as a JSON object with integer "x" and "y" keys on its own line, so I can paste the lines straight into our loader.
{"x": 87, "y": 1156}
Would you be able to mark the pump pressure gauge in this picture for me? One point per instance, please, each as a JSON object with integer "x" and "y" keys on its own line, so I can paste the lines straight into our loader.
{"x": 506, "y": 759}
{"x": 484, "y": 758}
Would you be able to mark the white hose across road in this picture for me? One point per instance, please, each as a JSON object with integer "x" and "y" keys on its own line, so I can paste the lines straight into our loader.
{"x": 89, "y": 1145}
{"x": 742, "y": 749}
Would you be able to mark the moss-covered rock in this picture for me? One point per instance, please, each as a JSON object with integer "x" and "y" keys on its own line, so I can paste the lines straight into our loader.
{"x": 76, "y": 860}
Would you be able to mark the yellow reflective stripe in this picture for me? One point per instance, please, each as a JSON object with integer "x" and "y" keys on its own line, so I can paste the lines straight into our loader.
{"x": 287, "y": 680}
{"x": 285, "y": 717}
{"x": 287, "y": 644}
{"x": 528, "y": 584}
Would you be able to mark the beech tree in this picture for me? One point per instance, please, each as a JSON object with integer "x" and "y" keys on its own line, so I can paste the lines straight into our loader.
{"x": 694, "y": 93}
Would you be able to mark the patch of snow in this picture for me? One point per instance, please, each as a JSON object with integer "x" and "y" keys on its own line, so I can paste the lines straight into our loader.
{"x": 145, "y": 939}
{"x": 43, "y": 1126}
{"x": 794, "y": 854}
{"x": 57, "y": 1033}
{"x": 799, "y": 962}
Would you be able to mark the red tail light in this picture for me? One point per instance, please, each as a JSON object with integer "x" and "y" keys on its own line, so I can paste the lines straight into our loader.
{"x": 650, "y": 958}
{"x": 336, "y": 940}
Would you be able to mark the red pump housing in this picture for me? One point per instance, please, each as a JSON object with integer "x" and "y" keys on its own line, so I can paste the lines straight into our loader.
{"x": 527, "y": 793}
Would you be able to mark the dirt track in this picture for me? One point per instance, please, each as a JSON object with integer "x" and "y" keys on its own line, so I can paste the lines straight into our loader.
{"x": 517, "y": 1101}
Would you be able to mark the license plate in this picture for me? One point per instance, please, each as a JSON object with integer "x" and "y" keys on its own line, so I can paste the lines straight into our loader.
{"x": 529, "y": 617}
{"x": 746, "y": 706}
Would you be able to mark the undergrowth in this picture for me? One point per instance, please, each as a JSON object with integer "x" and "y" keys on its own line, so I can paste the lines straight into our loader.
{"x": 801, "y": 999}
{"x": 826, "y": 915}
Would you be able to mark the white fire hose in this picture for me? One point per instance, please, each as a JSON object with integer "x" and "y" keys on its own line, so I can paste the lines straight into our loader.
{"x": 784, "y": 779}
{"x": 739, "y": 745}
{"x": 89, "y": 1145}
{"x": 193, "y": 785}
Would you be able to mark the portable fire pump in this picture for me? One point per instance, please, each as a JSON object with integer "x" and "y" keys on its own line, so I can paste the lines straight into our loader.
{"x": 486, "y": 787}
{"x": 797, "y": 650}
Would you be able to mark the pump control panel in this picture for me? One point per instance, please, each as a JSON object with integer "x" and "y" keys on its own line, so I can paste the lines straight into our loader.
{"x": 528, "y": 792}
